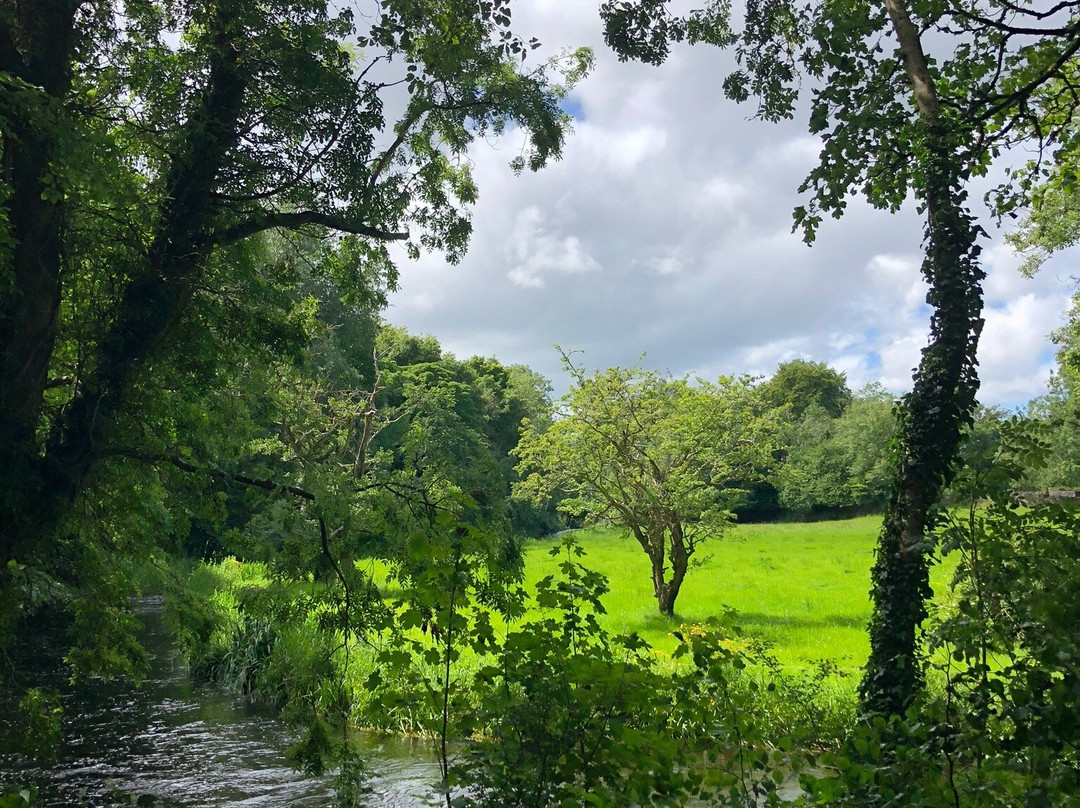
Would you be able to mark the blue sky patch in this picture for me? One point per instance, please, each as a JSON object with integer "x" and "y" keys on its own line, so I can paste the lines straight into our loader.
{"x": 572, "y": 107}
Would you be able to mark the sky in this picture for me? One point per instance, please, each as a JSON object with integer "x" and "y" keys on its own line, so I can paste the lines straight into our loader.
{"x": 665, "y": 230}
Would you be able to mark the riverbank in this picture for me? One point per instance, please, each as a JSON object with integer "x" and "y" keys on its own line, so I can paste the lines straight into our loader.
{"x": 792, "y": 598}
{"x": 586, "y": 656}
{"x": 172, "y": 742}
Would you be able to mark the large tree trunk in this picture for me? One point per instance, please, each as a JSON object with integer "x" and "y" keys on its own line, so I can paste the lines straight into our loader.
{"x": 940, "y": 404}
{"x": 150, "y": 307}
{"x": 154, "y": 301}
{"x": 36, "y": 46}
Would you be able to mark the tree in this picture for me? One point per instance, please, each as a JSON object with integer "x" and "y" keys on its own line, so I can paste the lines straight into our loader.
{"x": 147, "y": 153}
{"x": 651, "y": 454}
{"x": 840, "y": 462}
{"x": 1009, "y": 632}
{"x": 1059, "y": 410}
{"x": 469, "y": 413}
{"x": 800, "y": 384}
{"x": 893, "y": 122}
{"x": 424, "y": 436}
{"x": 1054, "y": 225}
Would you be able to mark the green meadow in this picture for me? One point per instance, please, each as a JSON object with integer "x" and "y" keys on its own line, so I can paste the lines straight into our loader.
{"x": 802, "y": 587}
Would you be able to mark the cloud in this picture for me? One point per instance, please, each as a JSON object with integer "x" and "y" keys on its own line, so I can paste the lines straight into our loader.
{"x": 666, "y": 228}
{"x": 537, "y": 252}
{"x": 668, "y": 265}
{"x": 1015, "y": 360}
{"x": 620, "y": 152}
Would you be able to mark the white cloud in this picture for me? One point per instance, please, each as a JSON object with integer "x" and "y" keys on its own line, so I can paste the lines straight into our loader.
{"x": 668, "y": 265}
{"x": 1013, "y": 353}
{"x": 537, "y": 252}
{"x": 665, "y": 228}
{"x": 899, "y": 358}
{"x": 898, "y": 280}
{"x": 799, "y": 152}
{"x": 621, "y": 152}
{"x": 761, "y": 358}
{"x": 723, "y": 192}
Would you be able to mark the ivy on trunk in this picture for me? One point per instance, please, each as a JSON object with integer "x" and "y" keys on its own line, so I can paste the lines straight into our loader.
{"x": 1009, "y": 80}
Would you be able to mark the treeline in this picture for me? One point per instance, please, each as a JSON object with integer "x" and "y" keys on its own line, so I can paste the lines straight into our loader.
{"x": 435, "y": 426}
{"x": 363, "y": 435}
{"x": 832, "y": 456}
{"x": 836, "y": 446}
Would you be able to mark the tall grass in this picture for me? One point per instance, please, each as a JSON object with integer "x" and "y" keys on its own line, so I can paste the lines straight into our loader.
{"x": 798, "y": 592}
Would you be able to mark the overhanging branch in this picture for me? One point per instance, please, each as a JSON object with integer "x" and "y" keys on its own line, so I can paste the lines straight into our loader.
{"x": 298, "y": 220}
{"x": 191, "y": 468}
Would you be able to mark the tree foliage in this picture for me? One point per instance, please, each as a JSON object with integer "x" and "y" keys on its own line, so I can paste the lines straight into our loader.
{"x": 652, "y": 454}
{"x": 800, "y": 384}
{"x": 1059, "y": 411}
{"x": 840, "y": 462}
{"x": 148, "y": 152}
{"x": 1054, "y": 225}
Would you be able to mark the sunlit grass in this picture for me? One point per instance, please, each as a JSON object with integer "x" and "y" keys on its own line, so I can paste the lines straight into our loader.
{"x": 804, "y": 587}
{"x": 801, "y": 587}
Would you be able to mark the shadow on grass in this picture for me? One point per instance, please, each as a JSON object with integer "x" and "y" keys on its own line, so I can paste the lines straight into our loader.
{"x": 661, "y": 622}
{"x": 751, "y": 621}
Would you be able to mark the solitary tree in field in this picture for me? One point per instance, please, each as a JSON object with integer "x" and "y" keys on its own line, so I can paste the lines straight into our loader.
{"x": 652, "y": 454}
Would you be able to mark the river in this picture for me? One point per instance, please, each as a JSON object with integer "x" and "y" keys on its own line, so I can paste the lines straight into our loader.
{"x": 172, "y": 743}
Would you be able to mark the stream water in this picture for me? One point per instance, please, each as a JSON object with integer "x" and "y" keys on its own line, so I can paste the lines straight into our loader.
{"x": 172, "y": 743}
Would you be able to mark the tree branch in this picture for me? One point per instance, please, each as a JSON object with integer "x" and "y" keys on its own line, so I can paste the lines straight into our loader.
{"x": 1020, "y": 95}
{"x": 1040, "y": 14}
{"x": 59, "y": 381}
{"x": 191, "y": 468}
{"x": 385, "y": 158}
{"x": 296, "y": 221}
{"x": 1013, "y": 30}
{"x": 911, "y": 50}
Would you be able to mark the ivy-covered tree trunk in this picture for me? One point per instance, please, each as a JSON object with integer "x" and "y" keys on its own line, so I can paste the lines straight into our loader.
{"x": 940, "y": 404}
{"x": 36, "y": 44}
{"x": 42, "y": 483}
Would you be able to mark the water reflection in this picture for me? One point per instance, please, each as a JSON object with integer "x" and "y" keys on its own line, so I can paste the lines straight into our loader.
{"x": 170, "y": 743}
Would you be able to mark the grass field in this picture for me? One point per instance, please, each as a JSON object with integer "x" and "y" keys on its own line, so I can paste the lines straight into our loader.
{"x": 801, "y": 586}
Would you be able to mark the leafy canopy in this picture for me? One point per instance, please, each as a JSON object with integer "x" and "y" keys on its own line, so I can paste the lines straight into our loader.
{"x": 653, "y": 454}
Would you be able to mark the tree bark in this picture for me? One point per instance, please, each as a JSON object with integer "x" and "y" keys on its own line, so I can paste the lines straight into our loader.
{"x": 658, "y": 561}
{"x": 151, "y": 305}
{"x": 941, "y": 402}
{"x": 37, "y": 42}
{"x": 154, "y": 301}
{"x": 666, "y": 590}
